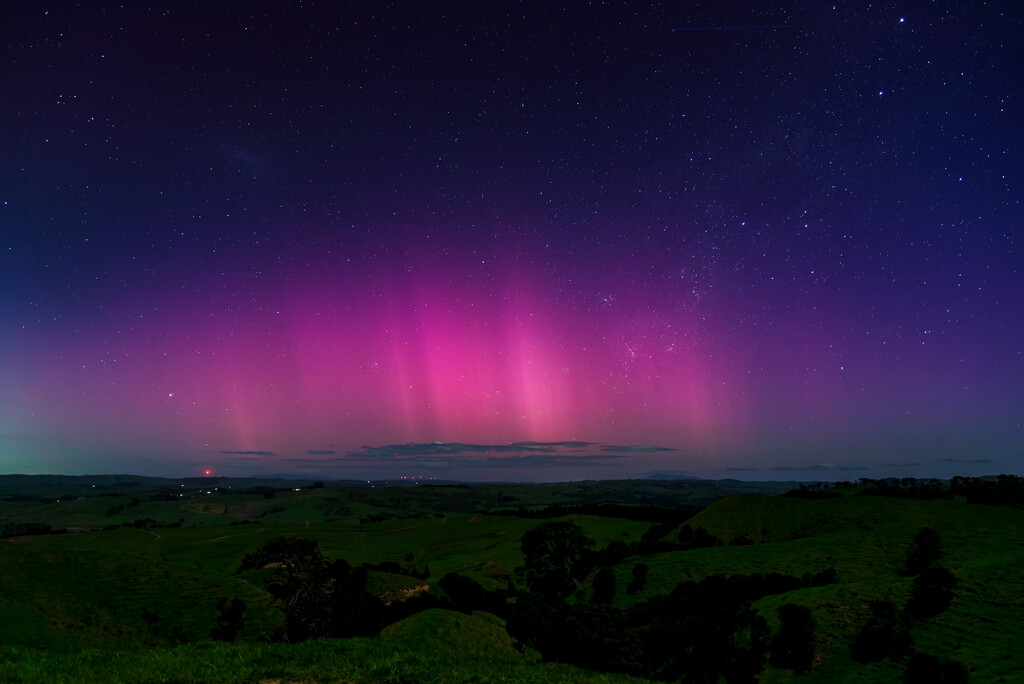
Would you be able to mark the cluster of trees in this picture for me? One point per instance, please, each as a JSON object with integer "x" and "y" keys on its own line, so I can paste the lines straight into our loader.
{"x": 327, "y": 598}
{"x": 703, "y": 631}
{"x": 321, "y": 597}
{"x": 35, "y": 528}
{"x": 114, "y": 510}
{"x": 147, "y": 523}
{"x": 906, "y": 488}
{"x": 819, "y": 490}
{"x": 887, "y": 632}
{"x": 699, "y": 538}
{"x": 700, "y": 632}
{"x": 655, "y": 514}
{"x": 1005, "y": 490}
{"x": 25, "y": 529}
{"x": 467, "y": 595}
{"x": 933, "y": 584}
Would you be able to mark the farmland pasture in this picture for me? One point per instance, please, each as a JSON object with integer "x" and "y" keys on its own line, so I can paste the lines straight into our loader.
{"x": 149, "y": 593}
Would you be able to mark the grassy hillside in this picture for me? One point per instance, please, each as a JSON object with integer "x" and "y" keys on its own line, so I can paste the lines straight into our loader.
{"x": 150, "y": 594}
{"x": 479, "y": 634}
{"x": 96, "y": 502}
{"x": 72, "y": 598}
{"x": 867, "y": 541}
{"x": 483, "y": 547}
{"x": 366, "y": 661}
{"x": 152, "y": 586}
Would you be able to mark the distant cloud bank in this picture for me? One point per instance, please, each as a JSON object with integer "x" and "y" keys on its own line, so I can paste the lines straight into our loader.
{"x": 516, "y": 454}
{"x": 819, "y": 467}
{"x": 250, "y": 453}
{"x": 634, "y": 449}
{"x": 447, "y": 455}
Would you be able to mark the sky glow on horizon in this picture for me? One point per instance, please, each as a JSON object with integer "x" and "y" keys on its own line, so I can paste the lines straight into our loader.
{"x": 316, "y": 240}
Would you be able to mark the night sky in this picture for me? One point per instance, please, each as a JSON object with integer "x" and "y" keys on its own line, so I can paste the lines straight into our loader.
{"x": 753, "y": 240}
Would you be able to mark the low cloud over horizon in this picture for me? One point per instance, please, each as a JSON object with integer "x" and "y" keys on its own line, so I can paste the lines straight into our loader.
{"x": 249, "y": 453}
{"x": 449, "y": 459}
{"x": 820, "y": 467}
{"x": 537, "y": 461}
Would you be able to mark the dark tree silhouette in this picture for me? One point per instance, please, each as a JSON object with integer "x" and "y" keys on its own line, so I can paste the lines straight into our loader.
{"x": 287, "y": 552}
{"x": 702, "y": 632}
{"x": 639, "y": 580}
{"x": 700, "y": 538}
{"x": 885, "y": 635}
{"x": 923, "y": 668}
{"x": 320, "y": 597}
{"x": 926, "y": 551}
{"x": 554, "y": 555}
{"x": 537, "y": 622}
{"x": 932, "y": 593}
{"x": 1007, "y": 490}
{"x": 229, "y": 620}
{"x": 793, "y": 646}
{"x": 468, "y": 595}
{"x": 604, "y": 586}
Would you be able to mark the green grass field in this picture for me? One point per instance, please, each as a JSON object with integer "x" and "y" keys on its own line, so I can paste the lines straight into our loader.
{"x": 480, "y": 546}
{"x": 367, "y": 661}
{"x": 137, "y": 604}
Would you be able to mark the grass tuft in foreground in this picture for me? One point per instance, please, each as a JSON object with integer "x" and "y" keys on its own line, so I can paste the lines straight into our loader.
{"x": 363, "y": 661}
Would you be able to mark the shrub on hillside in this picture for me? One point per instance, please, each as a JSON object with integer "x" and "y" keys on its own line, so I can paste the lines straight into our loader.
{"x": 884, "y": 635}
{"x": 923, "y": 668}
{"x": 926, "y": 551}
{"x": 555, "y": 558}
{"x": 932, "y": 593}
{"x": 468, "y": 595}
{"x": 792, "y": 647}
{"x": 639, "y": 580}
{"x": 229, "y": 620}
{"x": 699, "y": 538}
{"x": 604, "y": 586}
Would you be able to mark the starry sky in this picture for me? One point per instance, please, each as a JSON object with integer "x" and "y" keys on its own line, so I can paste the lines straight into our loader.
{"x": 512, "y": 240}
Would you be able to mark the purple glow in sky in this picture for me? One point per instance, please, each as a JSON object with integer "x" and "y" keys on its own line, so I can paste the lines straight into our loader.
{"x": 565, "y": 242}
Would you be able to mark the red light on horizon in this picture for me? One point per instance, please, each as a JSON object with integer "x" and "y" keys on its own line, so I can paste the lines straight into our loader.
{"x": 207, "y": 472}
